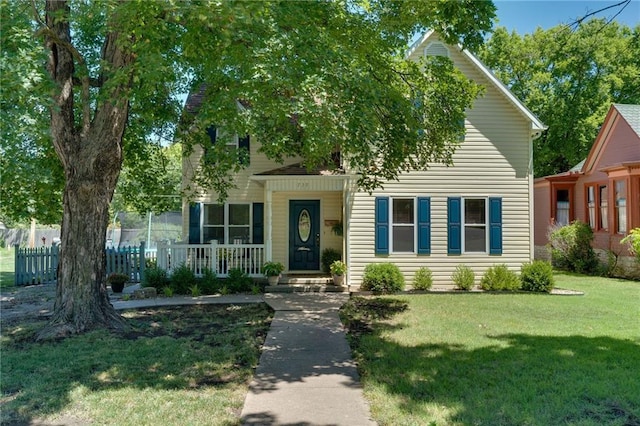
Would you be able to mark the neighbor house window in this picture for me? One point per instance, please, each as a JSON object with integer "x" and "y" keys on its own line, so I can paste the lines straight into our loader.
{"x": 621, "y": 207}
{"x": 227, "y": 223}
{"x": 403, "y": 225}
{"x": 591, "y": 205}
{"x": 604, "y": 206}
{"x": 562, "y": 207}
{"x": 475, "y": 225}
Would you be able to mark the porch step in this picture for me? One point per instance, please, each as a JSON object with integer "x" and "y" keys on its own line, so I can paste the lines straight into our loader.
{"x": 305, "y": 288}
{"x": 305, "y": 279}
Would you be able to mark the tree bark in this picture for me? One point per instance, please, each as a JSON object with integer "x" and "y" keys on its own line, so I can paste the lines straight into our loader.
{"x": 91, "y": 153}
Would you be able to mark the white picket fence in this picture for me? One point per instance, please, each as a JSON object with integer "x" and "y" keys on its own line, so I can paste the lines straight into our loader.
{"x": 218, "y": 258}
{"x": 40, "y": 265}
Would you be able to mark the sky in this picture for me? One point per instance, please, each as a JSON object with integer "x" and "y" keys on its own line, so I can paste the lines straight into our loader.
{"x": 524, "y": 16}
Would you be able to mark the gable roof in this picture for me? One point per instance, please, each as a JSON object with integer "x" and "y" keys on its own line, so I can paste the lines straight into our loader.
{"x": 537, "y": 126}
{"x": 629, "y": 113}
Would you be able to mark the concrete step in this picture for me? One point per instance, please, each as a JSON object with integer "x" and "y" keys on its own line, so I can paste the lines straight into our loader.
{"x": 305, "y": 288}
{"x": 305, "y": 279}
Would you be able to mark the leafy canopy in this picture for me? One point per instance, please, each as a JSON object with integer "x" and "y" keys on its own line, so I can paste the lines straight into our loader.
{"x": 312, "y": 77}
{"x": 569, "y": 79}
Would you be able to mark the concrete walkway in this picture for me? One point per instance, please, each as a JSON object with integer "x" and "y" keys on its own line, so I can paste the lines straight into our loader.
{"x": 306, "y": 375}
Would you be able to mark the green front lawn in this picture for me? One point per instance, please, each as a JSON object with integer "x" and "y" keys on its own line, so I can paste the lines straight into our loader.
{"x": 502, "y": 359}
{"x": 187, "y": 365}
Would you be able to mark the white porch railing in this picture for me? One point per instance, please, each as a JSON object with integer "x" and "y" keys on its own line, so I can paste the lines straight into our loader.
{"x": 219, "y": 258}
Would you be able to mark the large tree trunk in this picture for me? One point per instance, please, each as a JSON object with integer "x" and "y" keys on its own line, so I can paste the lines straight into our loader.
{"x": 90, "y": 150}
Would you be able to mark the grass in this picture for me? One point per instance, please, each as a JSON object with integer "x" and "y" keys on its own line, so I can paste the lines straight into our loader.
{"x": 178, "y": 365}
{"x": 7, "y": 267}
{"x": 502, "y": 359}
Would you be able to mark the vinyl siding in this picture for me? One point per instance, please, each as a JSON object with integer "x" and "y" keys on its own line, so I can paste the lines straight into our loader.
{"x": 493, "y": 160}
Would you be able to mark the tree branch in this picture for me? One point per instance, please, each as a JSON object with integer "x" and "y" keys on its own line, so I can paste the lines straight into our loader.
{"x": 85, "y": 81}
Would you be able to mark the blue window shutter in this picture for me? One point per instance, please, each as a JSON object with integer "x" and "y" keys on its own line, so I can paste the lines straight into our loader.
{"x": 211, "y": 131}
{"x": 424, "y": 225}
{"x": 244, "y": 143}
{"x": 382, "y": 225}
{"x": 495, "y": 225}
{"x": 194, "y": 223}
{"x": 258, "y": 223}
{"x": 454, "y": 225}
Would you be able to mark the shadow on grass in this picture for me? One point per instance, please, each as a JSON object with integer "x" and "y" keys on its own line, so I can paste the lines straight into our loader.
{"x": 521, "y": 379}
{"x": 170, "y": 348}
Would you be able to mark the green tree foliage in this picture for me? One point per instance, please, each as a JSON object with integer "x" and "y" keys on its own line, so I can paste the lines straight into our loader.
{"x": 305, "y": 78}
{"x": 568, "y": 78}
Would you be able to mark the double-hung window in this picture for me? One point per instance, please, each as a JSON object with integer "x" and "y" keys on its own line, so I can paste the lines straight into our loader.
{"x": 227, "y": 223}
{"x": 604, "y": 207}
{"x": 475, "y": 225}
{"x": 591, "y": 205}
{"x": 621, "y": 207}
{"x": 403, "y": 225}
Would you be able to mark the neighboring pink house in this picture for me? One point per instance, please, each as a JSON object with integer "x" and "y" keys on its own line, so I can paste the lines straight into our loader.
{"x": 603, "y": 190}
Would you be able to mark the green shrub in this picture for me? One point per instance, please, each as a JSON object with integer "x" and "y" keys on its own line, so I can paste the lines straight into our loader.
{"x": 382, "y": 278}
{"x": 463, "y": 277}
{"x": 182, "y": 279}
{"x": 423, "y": 280}
{"x": 571, "y": 248}
{"x": 167, "y": 291}
{"x": 537, "y": 276}
{"x": 155, "y": 277}
{"x": 195, "y": 291}
{"x": 633, "y": 239}
{"x": 256, "y": 289}
{"x": 209, "y": 283}
{"x": 327, "y": 257}
{"x": 500, "y": 278}
{"x": 238, "y": 281}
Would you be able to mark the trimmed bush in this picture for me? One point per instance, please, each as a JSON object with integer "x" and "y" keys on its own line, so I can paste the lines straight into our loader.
{"x": 155, "y": 277}
{"x": 537, "y": 276}
{"x": 463, "y": 277}
{"x": 182, "y": 279}
{"x": 571, "y": 248}
{"x": 209, "y": 283}
{"x": 238, "y": 281}
{"x": 500, "y": 278}
{"x": 423, "y": 279}
{"x": 327, "y": 257}
{"x": 382, "y": 278}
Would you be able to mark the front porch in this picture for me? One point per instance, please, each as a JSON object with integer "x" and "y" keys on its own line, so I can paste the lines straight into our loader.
{"x": 218, "y": 258}
{"x": 249, "y": 258}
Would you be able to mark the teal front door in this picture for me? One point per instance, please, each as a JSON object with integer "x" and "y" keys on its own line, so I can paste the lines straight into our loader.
{"x": 304, "y": 235}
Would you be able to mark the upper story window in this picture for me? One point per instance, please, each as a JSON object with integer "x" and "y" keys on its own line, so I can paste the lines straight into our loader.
{"x": 232, "y": 142}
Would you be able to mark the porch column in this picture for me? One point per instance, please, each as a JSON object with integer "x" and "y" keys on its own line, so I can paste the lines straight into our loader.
{"x": 269, "y": 223}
